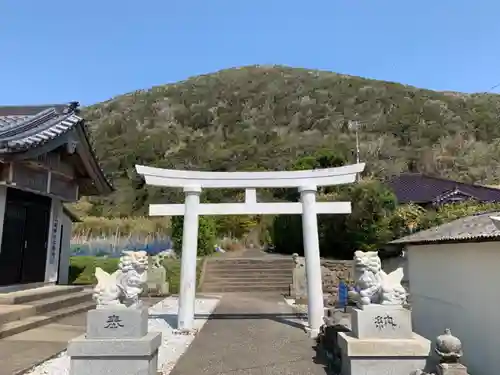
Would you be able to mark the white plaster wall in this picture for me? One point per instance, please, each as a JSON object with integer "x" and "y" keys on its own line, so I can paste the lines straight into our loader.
{"x": 65, "y": 250}
{"x": 456, "y": 286}
{"x": 3, "y": 197}
{"x": 51, "y": 265}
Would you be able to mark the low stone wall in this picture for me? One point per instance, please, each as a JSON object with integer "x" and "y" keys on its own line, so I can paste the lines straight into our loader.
{"x": 332, "y": 271}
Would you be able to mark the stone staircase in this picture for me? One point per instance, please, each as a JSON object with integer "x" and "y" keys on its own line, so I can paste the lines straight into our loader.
{"x": 31, "y": 308}
{"x": 266, "y": 274}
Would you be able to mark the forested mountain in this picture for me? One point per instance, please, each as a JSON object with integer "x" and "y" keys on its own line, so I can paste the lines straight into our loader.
{"x": 264, "y": 117}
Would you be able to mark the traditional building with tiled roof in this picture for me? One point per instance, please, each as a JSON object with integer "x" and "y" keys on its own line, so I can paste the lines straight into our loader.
{"x": 45, "y": 159}
{"x": 433, "y": 191}
{"x": 474, "y": 228}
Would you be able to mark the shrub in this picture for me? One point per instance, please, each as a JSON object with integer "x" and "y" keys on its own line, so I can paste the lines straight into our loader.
{"x": 207, "y": 235}
{"x": 340, "y": 235}
{"x": 287, "y": 234}
{"x": 86, "y": 266}
{"x": 82, "y": 270}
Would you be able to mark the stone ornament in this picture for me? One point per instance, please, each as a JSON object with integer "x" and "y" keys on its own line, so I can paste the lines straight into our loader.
{"x": 297, "y": 260}
{"x": 158, "y": 259}
{"x": 373, "y": 285}
{"x": 448, "y": 347}
{"x": 123, "y": 287}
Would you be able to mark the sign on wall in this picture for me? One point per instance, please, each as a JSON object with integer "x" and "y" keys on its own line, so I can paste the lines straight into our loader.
{"x": 53, "y": 244}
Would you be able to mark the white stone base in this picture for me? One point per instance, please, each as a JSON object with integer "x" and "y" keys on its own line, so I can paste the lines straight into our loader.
{"x": 118, "y": 356}
{"x": 162, "y": 318}
{"x": 382, "y": 356}
{"x": 381, "y": 321}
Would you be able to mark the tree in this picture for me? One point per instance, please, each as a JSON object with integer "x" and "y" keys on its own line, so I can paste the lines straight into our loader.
{"x": 207, "y": 235}
{"x": 287, "y": 229}
{"x": 365, "y": 228}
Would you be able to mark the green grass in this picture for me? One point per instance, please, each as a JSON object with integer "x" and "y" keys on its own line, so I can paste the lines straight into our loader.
{"x": 82, "y": 270}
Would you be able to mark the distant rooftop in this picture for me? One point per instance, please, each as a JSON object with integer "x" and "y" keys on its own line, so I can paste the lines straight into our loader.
{"x": 423, "y": 189}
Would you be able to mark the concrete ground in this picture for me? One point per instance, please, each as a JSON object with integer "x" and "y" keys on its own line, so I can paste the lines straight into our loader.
{"x": 19, "y": 353}
{"x": 251, "y": 334}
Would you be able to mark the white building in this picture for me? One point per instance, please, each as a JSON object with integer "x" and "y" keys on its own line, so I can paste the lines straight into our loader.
{"x": 454, "y": 276}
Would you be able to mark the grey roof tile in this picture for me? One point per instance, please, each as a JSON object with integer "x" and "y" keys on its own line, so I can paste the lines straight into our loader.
{"x": 25, "y": 127}
{"x": 7, "y": 121}
{"x": 475, "y": 227}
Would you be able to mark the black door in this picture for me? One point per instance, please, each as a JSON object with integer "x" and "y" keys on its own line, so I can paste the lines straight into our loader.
{"x": 36, "y": 238}
{"x": 11, "y": 253}
{"x": 24, "y": 240}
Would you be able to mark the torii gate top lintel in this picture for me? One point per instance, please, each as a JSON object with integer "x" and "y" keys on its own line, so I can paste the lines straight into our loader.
{"x": 269, "y": 179}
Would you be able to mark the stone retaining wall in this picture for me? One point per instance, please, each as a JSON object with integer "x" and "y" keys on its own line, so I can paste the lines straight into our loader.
{"x": 332, "y": 272}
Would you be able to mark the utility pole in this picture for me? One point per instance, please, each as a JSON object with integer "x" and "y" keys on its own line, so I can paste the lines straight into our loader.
{"x": 355, "y": 125}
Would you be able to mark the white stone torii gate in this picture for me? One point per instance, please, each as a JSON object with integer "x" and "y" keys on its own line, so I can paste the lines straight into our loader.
{"x": 306, "y": 181}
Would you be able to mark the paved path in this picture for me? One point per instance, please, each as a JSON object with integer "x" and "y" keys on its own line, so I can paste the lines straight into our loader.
{"x": 251, "y": 335}
{"x": 252, "y": 253}
{"x": 21, "y": 352}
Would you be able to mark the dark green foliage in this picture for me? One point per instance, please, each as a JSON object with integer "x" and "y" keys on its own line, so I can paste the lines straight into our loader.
{"x": 287, "y": 234}
{"x": 287, "y": 229}
{"x": 264, "y": 118}
{"x": 176, "y": 229}
{"x": 87, "y": 265}
{"x": 366, "y": 228}
{"x": 207, "y": 234}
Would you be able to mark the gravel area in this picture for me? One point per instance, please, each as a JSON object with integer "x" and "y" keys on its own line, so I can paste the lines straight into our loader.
{"x": 163, "y": 317}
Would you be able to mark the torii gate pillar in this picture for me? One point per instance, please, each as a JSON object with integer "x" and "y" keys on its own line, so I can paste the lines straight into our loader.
{"x": 187, "y": 296}
{"x": 315, "y": 303}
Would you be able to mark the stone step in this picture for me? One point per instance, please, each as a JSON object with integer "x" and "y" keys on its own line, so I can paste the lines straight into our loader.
{"x": 249, "y": 271}
{"x": 18, "y": 326}
{"x": 248, "y": 268}
{"x": 244, "y": 288}
{"x": 240, "y": 262}
{"x": 9, "y": 313}
{"x": 30, "y": 295}
{"x": 248, "y": 282}
{"x": 247, "y": 279}
{"x": 62, "y": 301}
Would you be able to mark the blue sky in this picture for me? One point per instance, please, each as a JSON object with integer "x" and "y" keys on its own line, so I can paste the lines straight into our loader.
{"x": 57, "y": 51}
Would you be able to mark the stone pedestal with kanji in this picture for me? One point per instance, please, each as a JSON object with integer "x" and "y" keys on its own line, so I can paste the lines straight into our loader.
{"x": 381, "y": 341}
{"x": 117, "y": 342}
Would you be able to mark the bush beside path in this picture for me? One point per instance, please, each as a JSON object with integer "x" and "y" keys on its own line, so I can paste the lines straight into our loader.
{"x": 82, "y": 270}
